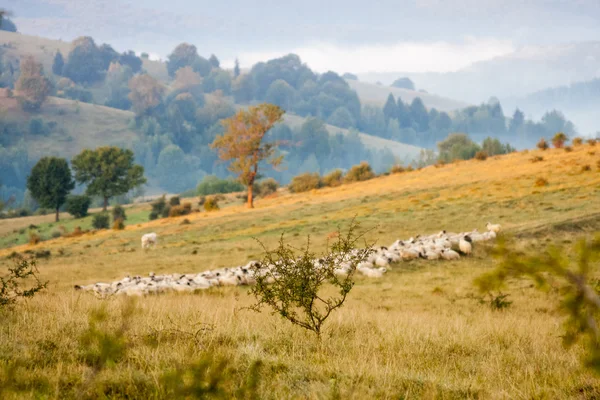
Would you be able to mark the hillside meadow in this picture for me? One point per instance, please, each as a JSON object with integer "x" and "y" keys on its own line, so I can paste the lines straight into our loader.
{"x": 422, "y": 331}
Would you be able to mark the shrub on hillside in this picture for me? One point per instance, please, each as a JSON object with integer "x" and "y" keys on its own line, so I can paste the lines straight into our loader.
{"x": 360, "y": 172}
{"x": 535, "y": 159}
{"x": 397, "y": 169}
{"x": 542, "y": 144}
{"x": 577, "y": 141}
{"x": 296, "y": 293}
{"x": 213, "y": 185}
{"x": 158, "y": 208}
{"x": 334, "y": 178}
{"x": 211, "y": 204}
{"x": 34, "y": 238}
{"x": 586, "y": 168}
{"x": 178, "y": 211}
{"x": 481, "y": 155}
{"x": 592, "y": 142}
{"x": 174, "y": 201}
{"x": 20, "y": 282}
{"x": 118, "y": 212}
{"x": 539, "y": 182}
{"x": 568, "y": 149}
{"x": 100, "y": 221}
{"x": 118, "y": 224}
{"x": 266, "y": 187}
{"x": 305, "y": 182}
{"x": 558, "y": 141}
{"x": 78, "y": 206}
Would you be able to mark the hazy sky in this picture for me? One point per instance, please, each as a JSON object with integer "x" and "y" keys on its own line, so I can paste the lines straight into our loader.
{"x": 355, "y": 36}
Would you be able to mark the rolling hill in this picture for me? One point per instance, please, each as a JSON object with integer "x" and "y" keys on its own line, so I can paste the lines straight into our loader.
{"x": 370, "y": 93}
{"x": 16, "y": 45}
{"x": 77, "y": 125}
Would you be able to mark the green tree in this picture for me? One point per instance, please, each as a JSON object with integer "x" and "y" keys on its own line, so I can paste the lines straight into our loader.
{"x": 32, "y": 85}
{"x": 50, "y": 182}
{"x": 404, "y": 83}
{"x": 236, "y": 68}
{"x": 182, "y": 56}
{"x": 214, "y": 61}
{"x": 390, "y": 109}
{"x": 58, "y": 64}
{"x": 341, "y": 117}
{"x": 244, "y": 89}
{"x": 108, "y": 171}
{"x": 281, "y": 94}
{"x": 457, "y": 146}
{"x": 85, "y": 62}
{"x": 419, "y": 114}
{"x": 242, "y": 143}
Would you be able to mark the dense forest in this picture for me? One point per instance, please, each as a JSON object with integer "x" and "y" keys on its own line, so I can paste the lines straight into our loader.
{"x": 177, "y": 119}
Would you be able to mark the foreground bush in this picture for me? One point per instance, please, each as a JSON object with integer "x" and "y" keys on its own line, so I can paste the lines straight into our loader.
{"x": 20, "y": 282}
{"x": 305, "y": 182}
{"x": 178, "y": 211}
{"x": 100, "y": 221}
{"x": 360, "y": 172}
{"x": 213, "y": 185}
{"x": 78, "y": 206}
{"x": 569, "y": 280}
{"x": 293, "y": 287}
{"x": 334, "y": 178}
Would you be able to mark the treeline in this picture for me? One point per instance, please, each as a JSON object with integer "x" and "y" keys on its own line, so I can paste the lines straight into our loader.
{"x": 177, "y": 120}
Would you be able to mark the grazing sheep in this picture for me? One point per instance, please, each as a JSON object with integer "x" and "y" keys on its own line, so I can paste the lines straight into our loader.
{"x": 449, "y": 254}
{"x": 442, "y": 245}
{"x": 493, "y": 227}
{"x": 149, "y": 239}
{"x": 465, "y": 245}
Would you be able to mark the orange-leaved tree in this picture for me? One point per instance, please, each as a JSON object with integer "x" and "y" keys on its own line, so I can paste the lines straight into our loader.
{"x": 242, "y": 142}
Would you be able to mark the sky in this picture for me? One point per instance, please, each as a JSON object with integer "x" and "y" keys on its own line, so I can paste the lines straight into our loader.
{"x": 344, "y": 36}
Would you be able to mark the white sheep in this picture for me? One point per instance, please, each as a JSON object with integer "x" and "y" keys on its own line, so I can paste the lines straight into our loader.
{"x": 449, "y": 254}
{"x": 149, "y": 239}
{"x": 464, "y": 245}
{"x": 493, "y": 227}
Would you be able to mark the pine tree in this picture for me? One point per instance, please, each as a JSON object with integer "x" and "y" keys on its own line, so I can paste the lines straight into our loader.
{"x": 236, "y": 69}
{"x": 59, "y": 63}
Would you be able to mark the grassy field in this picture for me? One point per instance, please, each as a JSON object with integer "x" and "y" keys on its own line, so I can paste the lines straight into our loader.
{"x": 420, "y": 332}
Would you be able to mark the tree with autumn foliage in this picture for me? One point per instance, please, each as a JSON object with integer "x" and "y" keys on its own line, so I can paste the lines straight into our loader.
{"x": 32, "y": 86}
{"x": 146, "y": 94}
{"x": 242, "y": 143}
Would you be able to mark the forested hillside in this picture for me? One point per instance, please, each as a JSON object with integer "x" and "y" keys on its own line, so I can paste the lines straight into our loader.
{"x": 85, "y": 94}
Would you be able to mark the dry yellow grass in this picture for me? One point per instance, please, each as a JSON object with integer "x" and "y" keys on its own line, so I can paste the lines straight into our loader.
{"x": 418, "y": 333}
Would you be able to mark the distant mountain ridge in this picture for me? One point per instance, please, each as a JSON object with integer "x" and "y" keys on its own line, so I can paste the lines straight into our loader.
{"x": 527, "y": 70}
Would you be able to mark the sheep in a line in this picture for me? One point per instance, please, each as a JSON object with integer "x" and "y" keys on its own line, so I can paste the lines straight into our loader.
{"x": 444, "y": 245}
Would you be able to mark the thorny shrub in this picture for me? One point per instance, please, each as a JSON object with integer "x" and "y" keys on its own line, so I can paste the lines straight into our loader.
{"x": 293, "y": 286}
{"x": 22, "y": 281}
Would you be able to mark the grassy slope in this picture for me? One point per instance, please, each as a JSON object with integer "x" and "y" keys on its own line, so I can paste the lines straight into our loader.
{"x": 17, "y": 45}
{"x": 417, "y": 333}
{"x": 376, "y": 95}
{"x": 78, "y": 126}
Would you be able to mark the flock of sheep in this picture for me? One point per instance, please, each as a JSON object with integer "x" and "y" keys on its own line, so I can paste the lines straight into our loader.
{"x": 441, "y": 246}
